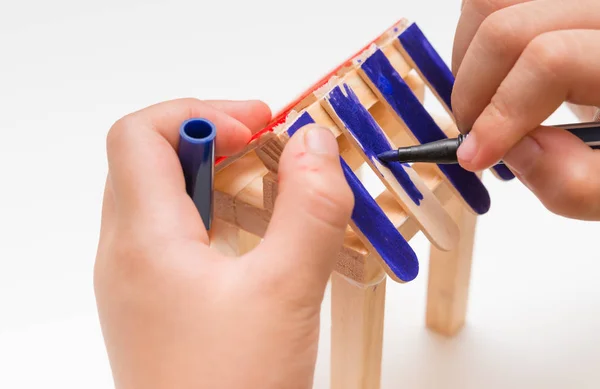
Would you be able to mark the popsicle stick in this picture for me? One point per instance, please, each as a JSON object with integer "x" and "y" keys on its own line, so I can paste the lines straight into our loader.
{"x": 357, "y": 317}
{"x": 423, "y": 58}
{"x": 270, "y": 189}
{"x": 371, "y": 224}
{"x": 408, "y": 188}
{"x": 449, "y": 276}
{"x": 391, "y": 89}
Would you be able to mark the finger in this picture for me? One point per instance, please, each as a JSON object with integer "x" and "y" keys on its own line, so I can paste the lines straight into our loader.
{"x": 555, "y": 67}
{"x": 560, "y": 170}
{"x": 500, "y": 41}
{"x": 473, "y": 13}
{"x": 254, "y": 114}
{"x": 311, "y": 213}
{"x": 233, "y": 133}
{"x": 108, "y": 209}
{"x": 146, "y": 176}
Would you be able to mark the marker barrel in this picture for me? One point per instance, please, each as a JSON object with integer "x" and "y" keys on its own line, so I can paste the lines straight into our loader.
{"x": 197, "y": 157}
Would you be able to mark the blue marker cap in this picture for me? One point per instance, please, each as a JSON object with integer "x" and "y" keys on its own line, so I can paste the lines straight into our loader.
{"x": 197, "y": 157}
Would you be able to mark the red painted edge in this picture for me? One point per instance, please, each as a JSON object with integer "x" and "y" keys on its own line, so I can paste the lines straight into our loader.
{"x": 282, "y": 114}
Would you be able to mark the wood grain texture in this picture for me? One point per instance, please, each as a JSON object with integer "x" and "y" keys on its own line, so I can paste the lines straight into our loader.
{"x": 352, "y": 257}
{"x": 239, "y": 195}
{"x": 357, "y": 317}
{"x": 361, "y": 129}
{"x": 424, "y": 59}
{"x": 416, "y": 84}
{"x": 379, "y": 234}
{"x": 371, "y": 225}
{"x": 391, "y": 89}
{"x": 270, "y": 190}
{"x": 449, "y": 276}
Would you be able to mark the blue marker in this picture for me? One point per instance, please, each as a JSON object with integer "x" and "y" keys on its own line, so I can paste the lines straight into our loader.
{"x": 197, "y": 156}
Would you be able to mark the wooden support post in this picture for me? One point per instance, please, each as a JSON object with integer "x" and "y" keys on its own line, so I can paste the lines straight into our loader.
{"x": 357, "y": 316}
{"x": 449, "y": 276}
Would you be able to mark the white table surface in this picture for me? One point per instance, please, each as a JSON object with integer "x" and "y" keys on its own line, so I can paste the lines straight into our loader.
{"x": 69, "y": 69}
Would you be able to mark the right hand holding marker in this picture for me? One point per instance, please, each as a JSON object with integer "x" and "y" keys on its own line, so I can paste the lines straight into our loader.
{"x": 175, "y": 313}
{"x": 516, "y": 62}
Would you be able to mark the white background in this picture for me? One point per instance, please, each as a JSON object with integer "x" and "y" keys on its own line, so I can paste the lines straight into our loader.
{"x": 69, "y": 69}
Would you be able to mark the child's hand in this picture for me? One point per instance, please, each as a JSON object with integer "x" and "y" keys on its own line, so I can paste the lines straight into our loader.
{"x": 516, "y": 62}
{"x": 177, "y": 314}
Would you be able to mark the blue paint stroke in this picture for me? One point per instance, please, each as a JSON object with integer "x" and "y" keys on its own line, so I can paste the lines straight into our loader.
{"x": 372, "y": 222}
{"x": 437, "y": 73}
{"x": 300, "y": 122}
{"x": 406, "y": 105}
{"x": 503, "y": 172}
{"x": 429, "y": 62}
{"x": 363, "y": 127}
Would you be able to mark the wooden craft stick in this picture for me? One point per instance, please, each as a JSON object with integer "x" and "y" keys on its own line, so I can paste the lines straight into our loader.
{"x": 235, "y": 204}
{"x": 391, "y": 89}
{"x": 239, "y": 195}
{"x": 371, "y": 103}
{"x": 416, "y": 84}
{"x": 449, "y": 276}
{"x": 308, "y": 97}
{"x": 357, "y": 319}
{"x": 422, "y": 57}
{"x": 353, "y": 255}
{"x": 371, "y": 225}
{"x": 410, "y": 191}
{"x": 270, "y": 190}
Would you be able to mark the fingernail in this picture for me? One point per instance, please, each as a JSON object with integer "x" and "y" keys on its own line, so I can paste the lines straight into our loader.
{"x": 521, "y": 158}
{"x": 468, "y": 149}
{"x": 320, "y": 140}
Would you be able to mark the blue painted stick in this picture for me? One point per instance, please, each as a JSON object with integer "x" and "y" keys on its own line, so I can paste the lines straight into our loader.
{"x": 389, "y": 85}
{"x": 434, "y": 70}
{"x": 369, "y": 220}
{"x": 197, "y": 156}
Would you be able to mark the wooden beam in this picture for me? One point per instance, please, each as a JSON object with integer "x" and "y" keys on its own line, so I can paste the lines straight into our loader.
{"x": 357, "y": 317}
{"x": 449, "y": 276}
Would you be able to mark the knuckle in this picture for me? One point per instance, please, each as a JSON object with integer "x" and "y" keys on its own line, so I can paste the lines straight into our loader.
{"x": 501, "y": 104}
{"x": 501, "y": 32}
{"x": 120, "y": 131}
{"x": 487, "y": 7}
{"x": 548, "y": 52}
{"x": 191, "y": 104}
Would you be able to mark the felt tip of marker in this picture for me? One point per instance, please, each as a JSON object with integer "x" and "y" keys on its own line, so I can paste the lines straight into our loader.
{"x": 197, "y": 156}
{"x": 388, "y": 156}
{"x": 442, "y": 151}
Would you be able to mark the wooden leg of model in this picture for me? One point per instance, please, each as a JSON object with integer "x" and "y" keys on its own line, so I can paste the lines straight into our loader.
{"x": 357, "y": 315}
{"x": 449, "y": 275}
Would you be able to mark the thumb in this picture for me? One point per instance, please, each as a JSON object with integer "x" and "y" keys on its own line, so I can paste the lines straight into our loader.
{"x": 312, "y": 211}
